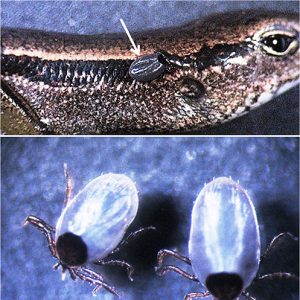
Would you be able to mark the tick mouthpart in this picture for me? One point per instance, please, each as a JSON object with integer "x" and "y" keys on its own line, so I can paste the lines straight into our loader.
{"x": 71, "y": 249}
{"x": 224, "y": 286}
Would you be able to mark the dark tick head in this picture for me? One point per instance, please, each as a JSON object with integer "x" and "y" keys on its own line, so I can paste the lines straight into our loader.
{"x": 71, "y": 249}
{"x": 224, "y": 286}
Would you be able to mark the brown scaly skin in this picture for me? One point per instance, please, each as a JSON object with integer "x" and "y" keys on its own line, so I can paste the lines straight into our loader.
{"x": 166, "y": 104}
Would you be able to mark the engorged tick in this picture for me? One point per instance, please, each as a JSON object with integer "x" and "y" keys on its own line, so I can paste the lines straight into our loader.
{"x": 146, "y": 68}
{"x": 224, "y": 244}
{"x": 91, "y": 227}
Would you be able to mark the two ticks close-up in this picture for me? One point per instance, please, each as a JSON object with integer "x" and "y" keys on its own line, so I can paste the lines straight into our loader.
{"x": 224, "y": 244}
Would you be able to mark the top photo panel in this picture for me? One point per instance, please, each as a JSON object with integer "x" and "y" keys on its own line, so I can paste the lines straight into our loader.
{"x": 150, "y": 67}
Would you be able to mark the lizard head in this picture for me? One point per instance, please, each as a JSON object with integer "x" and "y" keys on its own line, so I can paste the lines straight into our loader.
{"x": 242, "y": 59}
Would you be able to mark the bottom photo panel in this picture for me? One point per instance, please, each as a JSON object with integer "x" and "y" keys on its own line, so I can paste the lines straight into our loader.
{"x": 150, "y": 218}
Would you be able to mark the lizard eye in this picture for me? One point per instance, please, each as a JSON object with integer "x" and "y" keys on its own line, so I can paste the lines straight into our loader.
{"x": 279, "y": 42}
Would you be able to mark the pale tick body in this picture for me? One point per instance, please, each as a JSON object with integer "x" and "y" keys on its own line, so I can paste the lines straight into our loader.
{"x": 91, "y": 227}
{"x": 224, "y": 243}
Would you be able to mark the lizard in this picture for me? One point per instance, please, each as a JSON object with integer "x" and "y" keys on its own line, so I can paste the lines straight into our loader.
{"x": 197, "y": 75}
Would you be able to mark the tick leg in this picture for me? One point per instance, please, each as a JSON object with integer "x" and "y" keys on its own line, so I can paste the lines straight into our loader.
{"x": 120, "y": 263}
{"x": 162, "y": 271}
{"x": 72, "y": 273}
{"x": 276, "y": 240}
{"x": 68, "y": 185}
{"x": 57, "y": 265}
{"x": 45, "y": 228}
{"x": 63, "y": 270}
{"x": 165, "y": 269}
{"x": 94, "y": 278}
{"x": 196, "y": 295}
{"x": 278, "y": 275}
{"x": 247, "y": 295}
{"x": 164, "y": 252}
{"x": 130, "y": 237}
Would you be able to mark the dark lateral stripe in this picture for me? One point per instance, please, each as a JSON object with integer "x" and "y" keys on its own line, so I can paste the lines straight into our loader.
{"x": 216, "y": 55}
{"x": 73, "y": 73}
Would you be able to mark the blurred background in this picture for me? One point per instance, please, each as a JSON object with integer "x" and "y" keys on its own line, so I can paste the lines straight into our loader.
{"x": 280, "y": 116}
{"x": 169, "y": 173}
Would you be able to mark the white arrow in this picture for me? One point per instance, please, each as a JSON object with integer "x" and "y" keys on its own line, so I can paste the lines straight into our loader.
{"x": 136, "y": 49}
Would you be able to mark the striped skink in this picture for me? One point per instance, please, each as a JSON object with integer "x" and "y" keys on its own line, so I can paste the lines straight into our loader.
{"x": 201, "y": 74}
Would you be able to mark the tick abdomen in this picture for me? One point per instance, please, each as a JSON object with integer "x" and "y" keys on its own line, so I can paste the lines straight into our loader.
{"x": 98, "y": 216}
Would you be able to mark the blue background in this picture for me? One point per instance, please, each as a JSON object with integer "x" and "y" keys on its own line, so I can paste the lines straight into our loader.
{"x": 169, "y": 173}
{"x": 280, "y": 116}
